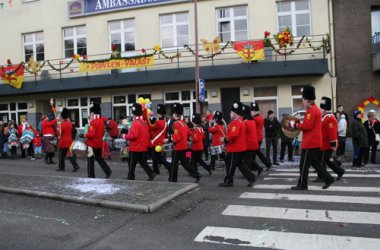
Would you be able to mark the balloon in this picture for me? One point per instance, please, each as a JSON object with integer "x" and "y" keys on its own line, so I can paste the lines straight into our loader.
{"x": 140, "y": 100}
{"x": 146, "y": 101}
{"x": 158, "y": 148}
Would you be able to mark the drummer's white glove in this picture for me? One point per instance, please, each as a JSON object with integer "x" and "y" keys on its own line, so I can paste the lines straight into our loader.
{"x": 293, "y": 124}
{"x": 90, "y": 152}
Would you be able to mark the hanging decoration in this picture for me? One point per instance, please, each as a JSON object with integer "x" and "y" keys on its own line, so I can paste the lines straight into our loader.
{"x": 115, "y": 52}
{"x": 210, "y": 56}
{"x": 12, "y": 74}
{"x": 128, "y": 62}
{"x": 33, "y": 66}
{"x": 368, "y": 104}
{"x": 325, "y": 44}
{"x": 284, "y": 39}
{"x": 250, "y": 50}
{"x": 211, "y": 47}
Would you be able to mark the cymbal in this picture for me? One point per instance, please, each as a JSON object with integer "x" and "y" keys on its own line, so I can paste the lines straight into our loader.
{"x": 288, "y": 131}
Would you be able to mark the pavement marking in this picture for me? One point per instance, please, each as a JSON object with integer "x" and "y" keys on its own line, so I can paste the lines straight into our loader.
{"x": 304, "y": 197}
{"x": 344, "y": 176}
{"x": 319, "y": 188}
{"x": 284, "y": 240}
{"x": 284, "y": 213}
{"x": 347, "y": 170}
{"x": 279, "y": 178}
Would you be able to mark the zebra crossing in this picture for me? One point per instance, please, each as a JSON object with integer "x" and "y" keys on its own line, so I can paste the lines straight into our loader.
{"x": 318, "y": 213}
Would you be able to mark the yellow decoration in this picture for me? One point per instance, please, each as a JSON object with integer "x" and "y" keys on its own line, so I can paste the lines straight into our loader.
{"x": 158, "y": 148}
{"x": 211, "y": 47}
{"x": 33, "y": 66}
{"x": 157, "y": 47}
{"x": 140, "y": 100}
{"x": 146, "y": 101}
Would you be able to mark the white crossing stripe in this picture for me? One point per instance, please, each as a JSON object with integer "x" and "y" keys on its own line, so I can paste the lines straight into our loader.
{"x": 331, "y": 188}
{"x": 279, "y": 178}
{"x": 320, "y": 198}
{"x": 346, "y": 175}
{"x": 284, "y": 240}
{"x": 347, "y": 170}
{"x": 303, "y": 214}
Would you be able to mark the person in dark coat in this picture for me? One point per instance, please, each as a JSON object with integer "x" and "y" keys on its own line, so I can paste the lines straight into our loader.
{"x": 272, "y": 126}
{"x": 359, "y": 139}
{"x": 206, "y": 140}
{"x": 286, "y": 142}
{"x": 372, "y": 126}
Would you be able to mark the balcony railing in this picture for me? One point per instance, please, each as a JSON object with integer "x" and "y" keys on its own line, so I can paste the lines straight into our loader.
{"x": 179, "y": 58}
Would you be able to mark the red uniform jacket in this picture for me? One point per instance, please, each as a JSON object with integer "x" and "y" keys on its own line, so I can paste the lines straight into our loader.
{"x": 37, "y": 141}
{"x": 181, "y": 134}
{"x": 251, "y": 135}
{"x": 95, "y": 132}
{"x": 113, "y": 129}
{"x": 158, "y": 132}
{"x": 329, "y": 131}
{"x": 138, "y": 135}
{"x": 311, "y": 128}
{"x": 259, "y": 127}
{"x": 66, "y": 137}
{"x": 197, "y": 139}
{"x": 236, "y": 136}
{"x": 218, "y": 135}
{"x": 48, "y": 127}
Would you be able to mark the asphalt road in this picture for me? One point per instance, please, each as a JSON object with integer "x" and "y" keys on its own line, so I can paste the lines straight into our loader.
{"x": 36, "y": 223}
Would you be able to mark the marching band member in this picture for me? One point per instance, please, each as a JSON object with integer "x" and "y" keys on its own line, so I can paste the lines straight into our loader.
{"x": 48, "y": 135}
{"x": 329, "y": 137}
{"x": 311, "y": 141}
{"x": 139, "y": 143}
{"x": 180, "y": 136}
{"x": 158, "y": 134}
{"x": 197, "y": 148}
{"x": 218, "y": 133}
{"x": 94, "y": 141}
{"x": 236, "y": 145}
{"x": 255, "y": 111}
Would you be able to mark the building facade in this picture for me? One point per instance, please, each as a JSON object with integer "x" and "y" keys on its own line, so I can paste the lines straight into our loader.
{"x": 50, "y": 32}
{"x": 356, "y": 28}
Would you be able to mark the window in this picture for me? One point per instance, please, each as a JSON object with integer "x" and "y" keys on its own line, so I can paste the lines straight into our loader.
{"x": 375, "y": 19}
{"x": 174, "y": 30}
{"x": 74, "y": 41}
{"x": 15, "y": 111}
{"x": 232, "y": 23}
{"x": 266, "y": 98}
{"x": 187, "y": 99}
{"x": 122, "y": 34}
{"x": 295, "y": 15}
{"x": 297, "y": 103}
{"x": 80, "y": 109}
{"x": 34, "y": 45}
{"x": 122, "y": 104}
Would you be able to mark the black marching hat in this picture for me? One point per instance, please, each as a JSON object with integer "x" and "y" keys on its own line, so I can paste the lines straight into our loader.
{"x": 308, "y": 93}
{"x": 246, "y": 112}
{"x": 137, "y": 109}
{"x": 325, "y": 103}
{"x": 218, "y": 115}
{"x": 65, "y": 113}
{"x": 196, "y": 118}
{"x": 237, "y": 107}
{"x": 95, "y": 109}
{"x": 177, "y": 109}
{"x": 254, "y": 106}
{"x": 161, "y": 109}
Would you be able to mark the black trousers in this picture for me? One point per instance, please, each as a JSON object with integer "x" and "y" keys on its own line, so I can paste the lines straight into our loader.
{"x": 285, "y": 144}
{"x": 360, "y": 155}
{"x": 341, "y": 146}
{"x": 373, "y": 148}
{"x": 262, "y": 157}
{"x": 214, "y": 158}
{"x": 327, "y": 159}
{"x": 311, "y": 157}
{"x": 141, "y": 158}
{"x": 158, "y": 159}
{"x": 237, "y": 160}
{"x": 180, "y": 156}
{"x": 196, "y": 157}
{"x": 91, "y": 163}
{"x": 268, "y": 143}
{"x": 205, "y": 151}
{"x": 62, "y": 152}
{"x": 251, "y": 162}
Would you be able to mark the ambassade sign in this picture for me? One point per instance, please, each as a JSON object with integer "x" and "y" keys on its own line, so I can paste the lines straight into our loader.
{"x": 90, "y": 7}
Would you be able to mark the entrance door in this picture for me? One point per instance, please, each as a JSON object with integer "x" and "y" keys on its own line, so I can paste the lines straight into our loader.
{"x": 266, "y": 105}
{"x": 228, "y": 96}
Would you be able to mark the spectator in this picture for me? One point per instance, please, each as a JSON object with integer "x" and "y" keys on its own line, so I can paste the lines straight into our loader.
{"x": 372, "y": 126}
{"x": 37, "y": 144}
{"x": 209, "y": 115}
{"x": 206, "y": 140}
{"x": 26, "y": 141}
{"x": 272, "y": 127}
{"x": 341, "y": 112}
{"x": 286, "y": 142}
{"x": 342, "y": 129}
{"x": 12, "y": 139}
{"x": 359, "y": 139}
{"x": 3, "y": 138}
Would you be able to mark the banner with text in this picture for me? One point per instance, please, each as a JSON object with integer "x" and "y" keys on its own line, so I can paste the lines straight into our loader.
{"x": 116, "y": 64}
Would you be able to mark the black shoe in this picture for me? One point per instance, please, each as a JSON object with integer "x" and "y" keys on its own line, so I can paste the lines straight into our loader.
{"x": 51, "y": 161}
{"x": 198, "y": 179}
{"x": 318, "y": 180}
{"x": 226, "y": 184}
{"x": 268, "y": 167}
{"x": 75, "y": 169}
{"x": 259, "y": 171}
{"x": 108, "y": 175}
{"x": 373, "y": 162}
{"x": 298, "y": 188}
{"x": 340, "y": 176}
{"x": 210, "y": 172}
{"x": 156, "y": 171}
{"x": 327, "y": 185}
{"x": 60, "y": 169}
{"x": 151, "y": 177}
{"x": 276, "y": 163}
{"x": 250, "y": 184}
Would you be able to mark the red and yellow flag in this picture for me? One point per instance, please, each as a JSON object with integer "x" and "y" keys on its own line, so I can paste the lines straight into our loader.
{"x": 13, "y": 75}
{"x": 250, "y": 50}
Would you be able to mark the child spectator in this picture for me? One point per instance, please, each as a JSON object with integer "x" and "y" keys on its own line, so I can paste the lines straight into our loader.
{"x": 37, "y": 143}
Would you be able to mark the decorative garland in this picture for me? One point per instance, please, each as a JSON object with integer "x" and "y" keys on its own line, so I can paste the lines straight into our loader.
{"x": 283, "y": 39}
{"x": 210, "y": 56}
{"x": 325, "y": 44}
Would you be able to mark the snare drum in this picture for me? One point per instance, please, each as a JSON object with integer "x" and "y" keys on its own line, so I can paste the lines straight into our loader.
{"x": 167, "y": 147}
{"x": 120, "y": 143}
{"x": 217, "y": 150}
{"x": 79, "y": 148}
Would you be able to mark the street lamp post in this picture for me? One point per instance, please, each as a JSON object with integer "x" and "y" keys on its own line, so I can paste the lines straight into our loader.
{"x": 197, "y": 101}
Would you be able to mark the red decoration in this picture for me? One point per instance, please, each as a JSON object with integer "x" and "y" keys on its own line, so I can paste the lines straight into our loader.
{"x": 266, "y": 33}
{"x": 143, "y": 50}
{"x": 113, "y": 47}
{"x": 9, "y": 62}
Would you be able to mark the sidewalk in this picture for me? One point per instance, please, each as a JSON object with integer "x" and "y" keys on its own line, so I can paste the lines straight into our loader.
{"x": 141, "y": 196}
